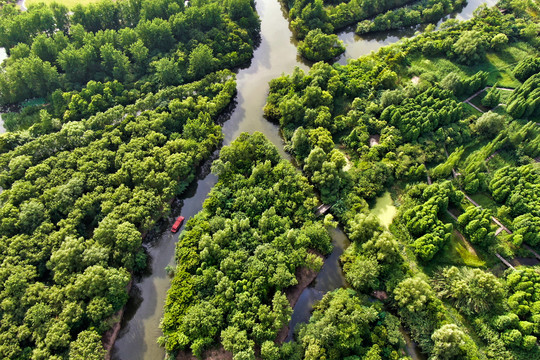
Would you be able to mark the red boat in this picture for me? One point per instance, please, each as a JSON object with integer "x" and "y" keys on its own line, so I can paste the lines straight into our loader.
{"x": 177, "y": 224}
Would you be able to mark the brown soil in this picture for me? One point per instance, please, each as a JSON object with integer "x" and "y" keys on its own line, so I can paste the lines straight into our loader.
{"x": 305, "y": 277}
{"x": 210, "y": 354}
{"x": 110, "y": 335}
{"x": 380, "y": 294}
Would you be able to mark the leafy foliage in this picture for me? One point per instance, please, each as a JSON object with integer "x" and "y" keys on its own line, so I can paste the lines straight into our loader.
{"x": 318, "y": 46}
{"x": 163, "y": 42}
{"x": 343, "y": 326}
{"x": 76, "y": 203}
{"x": 241, "y": 251}
{"x": 517, "y": 188}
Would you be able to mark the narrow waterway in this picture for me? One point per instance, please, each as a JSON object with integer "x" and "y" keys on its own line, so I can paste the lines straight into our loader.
{"x": 362, "y": 45}
{"x": 329, "y": 278}
{"x": 275, "y": 55}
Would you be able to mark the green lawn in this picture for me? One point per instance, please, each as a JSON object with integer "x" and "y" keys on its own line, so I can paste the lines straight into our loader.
{"x": 477, "y": 101}
{"x": 471, "y": 110}
{"x": 499, "y": 65}
{"x": 69, "y": 3}
{"x": 502, "y": 159}
{"x": 455, "y": 252}
{"x": 485, "y": 201}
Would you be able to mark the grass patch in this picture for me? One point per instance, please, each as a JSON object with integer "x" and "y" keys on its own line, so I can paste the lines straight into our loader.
{"x": 502, "y": 159}
{"x": 485, "y": 201}
{"x": 69, "y": 3}
{"x": 498, "y": 65}
{"x": 505, "y": 94}
{"x": 455, "y": 252}
{"x": 469, "y": 110}
{"x": 477, "y": 101}
{"x": 459, "y": 249}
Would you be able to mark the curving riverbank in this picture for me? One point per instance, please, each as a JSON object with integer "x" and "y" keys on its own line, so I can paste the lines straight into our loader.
{"x": 275, "y": 55}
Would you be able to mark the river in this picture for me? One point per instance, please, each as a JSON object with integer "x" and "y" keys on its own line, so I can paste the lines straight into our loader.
{"x": 275, "y": 55}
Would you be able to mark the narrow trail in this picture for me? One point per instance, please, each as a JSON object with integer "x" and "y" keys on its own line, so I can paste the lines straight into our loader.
{"x": 468, "y": 100}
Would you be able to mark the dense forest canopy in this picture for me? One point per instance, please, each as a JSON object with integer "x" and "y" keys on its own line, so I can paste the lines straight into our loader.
{"x": 241, "y": 251}
{"x": 130, "y": 95}
{"x": 409, "y": 115}
{"x": 132, "y": 102}
{"x": 309, "y": 18}
{"x": 140, "y": 43}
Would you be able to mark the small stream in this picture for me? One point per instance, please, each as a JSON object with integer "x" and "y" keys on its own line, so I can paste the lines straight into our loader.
{"x": 331, "y": 276}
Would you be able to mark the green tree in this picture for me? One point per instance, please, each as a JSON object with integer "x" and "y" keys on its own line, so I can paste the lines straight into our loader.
{"x": 490, "y": 124}
{"x": 319, "y": 46}
{"x": 88, "y": 346}
{"x": 167, "y": 71}
{"x": 470, "y": 47}
{"x": 449, "y": 343}
{"x": 492, "y": 97}
{"x": 201, "y": 61}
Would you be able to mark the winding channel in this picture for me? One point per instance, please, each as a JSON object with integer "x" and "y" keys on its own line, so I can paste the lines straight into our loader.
{"x": 275, "y": 55}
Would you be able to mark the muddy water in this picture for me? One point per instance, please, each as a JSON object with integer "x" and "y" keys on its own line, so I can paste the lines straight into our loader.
{"x": 329, "y": 278}
{"x": 331, "y": 275}
{"x": 384, "y": 209}
{"x": 410, "y": 346}
{"x": 276, "y": 55}
{"x": 362, "y": 45}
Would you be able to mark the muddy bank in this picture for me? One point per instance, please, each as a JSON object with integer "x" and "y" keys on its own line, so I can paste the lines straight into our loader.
{"x": 210, "y": 354}
{"x": 305, "y": 277}
{"x": 109, "y": 337}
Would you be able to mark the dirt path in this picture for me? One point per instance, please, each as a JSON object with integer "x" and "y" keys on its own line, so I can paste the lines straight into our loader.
{"x": 468, "y": 100}
{"x": 466, "y": 243}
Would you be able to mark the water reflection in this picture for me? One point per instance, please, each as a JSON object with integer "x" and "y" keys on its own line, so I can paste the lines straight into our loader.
{"x": 275, "y": 55}
{"x": 363, "y": 45}
{"x": 330, "y": 278}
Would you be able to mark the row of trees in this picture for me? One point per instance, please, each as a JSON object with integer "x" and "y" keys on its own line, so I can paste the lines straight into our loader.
{"x": 421, "y": 217}
{"x": 426, "y": 11}
{"x": 391, "y": 129}
{"x": 517, "y": 189}
{"x": 306, "y": 15}
{"x": 525, "y": 100}
{"x": 503, "y": 311}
